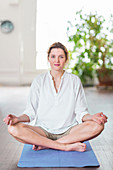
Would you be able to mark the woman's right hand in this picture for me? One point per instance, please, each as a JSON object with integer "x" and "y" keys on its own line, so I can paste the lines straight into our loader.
{"x": 11, "y": 119}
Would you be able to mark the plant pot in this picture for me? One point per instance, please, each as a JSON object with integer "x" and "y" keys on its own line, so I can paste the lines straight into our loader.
{"x": 105, "y": 76}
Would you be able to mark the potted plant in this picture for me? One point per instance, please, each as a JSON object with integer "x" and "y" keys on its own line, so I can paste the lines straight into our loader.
{"x": 92, "y": 50}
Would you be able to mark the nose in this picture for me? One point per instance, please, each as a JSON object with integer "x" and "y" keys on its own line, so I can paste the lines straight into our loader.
{"x": 57, "y": 59}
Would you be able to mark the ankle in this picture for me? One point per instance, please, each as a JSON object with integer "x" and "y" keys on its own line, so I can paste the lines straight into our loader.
{"x": 63, "y": 146}
{"x": 66, "y": 147}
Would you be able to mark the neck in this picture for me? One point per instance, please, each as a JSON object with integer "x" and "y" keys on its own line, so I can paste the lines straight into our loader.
{"x": 57, "y": 74}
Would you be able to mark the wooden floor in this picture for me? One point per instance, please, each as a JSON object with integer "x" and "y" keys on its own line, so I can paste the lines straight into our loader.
{"x": 13, "y": 99}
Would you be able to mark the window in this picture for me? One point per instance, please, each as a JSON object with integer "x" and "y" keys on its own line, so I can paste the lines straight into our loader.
{"x": 52, "y": 17}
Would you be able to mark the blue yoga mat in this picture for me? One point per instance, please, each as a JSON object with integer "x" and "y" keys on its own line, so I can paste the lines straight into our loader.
{"x": 57, "y": 158}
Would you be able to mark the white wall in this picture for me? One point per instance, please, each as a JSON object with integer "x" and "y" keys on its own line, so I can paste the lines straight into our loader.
{"x": 18, "y": 48}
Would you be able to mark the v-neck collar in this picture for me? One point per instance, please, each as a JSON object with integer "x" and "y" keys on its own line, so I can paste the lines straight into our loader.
{"x": 51, "y": 75}
{"x": 56, "y": 93}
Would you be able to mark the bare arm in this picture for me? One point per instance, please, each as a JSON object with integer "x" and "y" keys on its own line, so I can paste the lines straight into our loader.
{"x": 12, "y": 119}
{"x": 100, "y": 118}
{"x": 24, "y": 118}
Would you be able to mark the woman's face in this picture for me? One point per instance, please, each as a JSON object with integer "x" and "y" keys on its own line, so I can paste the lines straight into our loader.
{"x": 57, "y": 59}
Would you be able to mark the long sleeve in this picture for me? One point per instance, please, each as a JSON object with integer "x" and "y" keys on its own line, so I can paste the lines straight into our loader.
{"x": 81, "y": 105}
{"x": 33, "y": 100}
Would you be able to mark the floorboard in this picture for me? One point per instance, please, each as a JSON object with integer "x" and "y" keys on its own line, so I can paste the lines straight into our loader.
{"x": 13, "y": 100}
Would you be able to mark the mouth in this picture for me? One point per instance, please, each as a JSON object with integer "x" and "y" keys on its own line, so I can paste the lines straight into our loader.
{"x": 57, "y": 64}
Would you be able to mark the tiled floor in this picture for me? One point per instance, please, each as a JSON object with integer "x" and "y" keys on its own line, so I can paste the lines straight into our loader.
{"x": 13, "y": 100}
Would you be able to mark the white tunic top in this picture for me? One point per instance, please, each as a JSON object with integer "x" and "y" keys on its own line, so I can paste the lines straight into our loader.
{"x": 56, "y": 112}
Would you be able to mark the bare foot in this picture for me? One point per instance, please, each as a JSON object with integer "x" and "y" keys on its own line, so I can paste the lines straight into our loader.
{"x": 81, "y": 147}
{"x": 36, "y": 147}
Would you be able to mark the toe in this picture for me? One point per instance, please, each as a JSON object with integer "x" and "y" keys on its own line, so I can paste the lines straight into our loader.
{"x": 35, "y": 147}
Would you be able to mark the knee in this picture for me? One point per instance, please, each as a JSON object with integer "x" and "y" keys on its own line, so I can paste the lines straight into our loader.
{"x": 14, "y": 130}
{"x": 96, "y": 128}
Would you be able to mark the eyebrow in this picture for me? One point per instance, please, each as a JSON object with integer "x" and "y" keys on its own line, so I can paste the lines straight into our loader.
{"x": 58, "y": 55}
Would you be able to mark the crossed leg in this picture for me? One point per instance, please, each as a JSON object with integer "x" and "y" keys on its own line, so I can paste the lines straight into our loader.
{"x": 85, "y": 131}
{"x": 34, "y": 128}
{"x": 79, "y": 133}
{"x": 35, "y": 136}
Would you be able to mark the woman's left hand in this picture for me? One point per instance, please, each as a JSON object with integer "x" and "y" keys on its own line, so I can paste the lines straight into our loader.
{"x": 100, "y": 118}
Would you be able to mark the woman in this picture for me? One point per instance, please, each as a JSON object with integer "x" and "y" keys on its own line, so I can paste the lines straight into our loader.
{"x": 58, "y": 106}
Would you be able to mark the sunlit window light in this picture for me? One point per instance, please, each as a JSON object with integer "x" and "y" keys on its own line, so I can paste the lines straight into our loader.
{"x": 52, "y": 17}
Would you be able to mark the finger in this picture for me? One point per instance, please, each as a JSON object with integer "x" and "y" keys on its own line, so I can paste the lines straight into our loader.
{"x": 103, "y": 115}
{"x": 99, "y": 114}
{"x": 102, "y": 121}
{"x": 105, "y": 121}
{"x": 9, "y": 120}
{"x": 104, "y": 118}
{"x": 97, "y": 121}
{"x": 6, "y": 120}
{"x": 10, "y": 116}
{"x": 10, "y": 123}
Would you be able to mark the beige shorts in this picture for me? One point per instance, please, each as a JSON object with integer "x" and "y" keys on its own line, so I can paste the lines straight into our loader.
{"x": 55, "y": 136}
